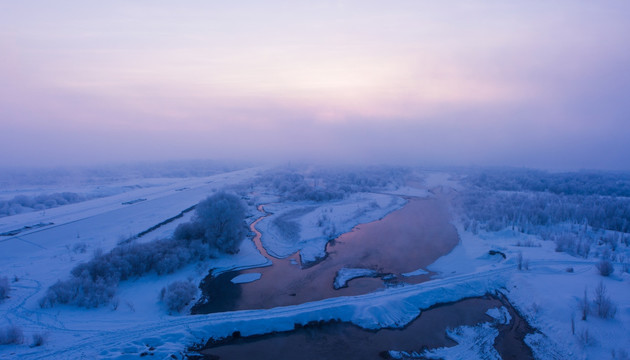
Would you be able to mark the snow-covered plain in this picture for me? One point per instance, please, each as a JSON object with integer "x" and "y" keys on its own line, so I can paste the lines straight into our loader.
{"x": 546, "y": 294}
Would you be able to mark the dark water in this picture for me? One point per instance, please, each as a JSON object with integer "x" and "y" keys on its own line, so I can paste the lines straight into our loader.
{"x": 346, "y": 341}
{"x": 407, "y": 239}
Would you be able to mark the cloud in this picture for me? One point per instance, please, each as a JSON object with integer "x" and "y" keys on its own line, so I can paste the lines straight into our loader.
{"x": 519, "y": 83}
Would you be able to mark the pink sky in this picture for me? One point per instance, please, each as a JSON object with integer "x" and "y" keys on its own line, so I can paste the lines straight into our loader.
{"x": 522, "y": 83}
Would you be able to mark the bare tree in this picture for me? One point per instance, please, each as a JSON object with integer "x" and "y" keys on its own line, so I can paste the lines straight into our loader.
{"x": 5, "y": 288}
{"x": 584, "y": 305}
{"x": 603, "y": 304}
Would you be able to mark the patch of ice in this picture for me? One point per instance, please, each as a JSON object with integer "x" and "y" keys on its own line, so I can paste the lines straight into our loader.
{"x": 395, "y": 354}
{"x": 246, "y": 278}
{"x": 415, "y": 273}
{"x": 501, "y": 315}
{"x": 346, "y": 274}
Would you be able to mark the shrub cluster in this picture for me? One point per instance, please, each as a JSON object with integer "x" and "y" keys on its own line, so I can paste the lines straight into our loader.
{"x": 218, "y": 226}
{"x": 38, "y": 340}
{"x": 23, "y": 203}
{"x": 602, "y": 305}
{"x": 605, "y": 267}
{"x": 11, "y": 335}
{"x": 572, "y": 243}
{"x": 94, "y": 283}
{"x": 177, "y": 295}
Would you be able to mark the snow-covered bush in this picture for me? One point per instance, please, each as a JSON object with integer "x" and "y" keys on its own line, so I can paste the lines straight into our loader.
{"x": 177, "y": 295}
{"x": 38, "y": 339}
{"x": 189, "y": 231}
{"x": 80, "y": 291}
{"x": 94, "y": 283}
{"x": 218, "y": 221}
{"x": 605, "y": 268}
{"x": 11, "y": 335}
{"x": 218, "y": 225}
{"x": 572, "y": 244}
{"x": 603, "y": 304}
{"x": 5, "y": 288}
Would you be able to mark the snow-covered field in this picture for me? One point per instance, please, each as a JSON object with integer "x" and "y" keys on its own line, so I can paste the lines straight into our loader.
{"x": 548, "y": 293}
{"x": 544, "y": 292}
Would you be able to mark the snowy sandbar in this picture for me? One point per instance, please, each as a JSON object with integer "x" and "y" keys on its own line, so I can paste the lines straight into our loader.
{"x": 346, "y": 274}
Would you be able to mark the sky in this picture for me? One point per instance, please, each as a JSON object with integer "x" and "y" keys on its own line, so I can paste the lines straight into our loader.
{"x": 527, "y": 83}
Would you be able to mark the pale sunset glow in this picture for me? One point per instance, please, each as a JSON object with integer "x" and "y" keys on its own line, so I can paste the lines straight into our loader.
{"x": 486, "y": 82}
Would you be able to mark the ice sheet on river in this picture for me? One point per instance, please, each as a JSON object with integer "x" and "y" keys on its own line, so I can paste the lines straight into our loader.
{"x": 246, "y": 278}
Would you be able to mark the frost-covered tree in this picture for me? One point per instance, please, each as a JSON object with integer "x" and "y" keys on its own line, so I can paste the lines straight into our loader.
{"x": 177, "y": 295}
{"x": 218, "y": 221}
{"x": 605, "y": 268}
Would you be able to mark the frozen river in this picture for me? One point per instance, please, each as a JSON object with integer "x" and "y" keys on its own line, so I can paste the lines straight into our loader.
{"x": 406, "y": 240}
